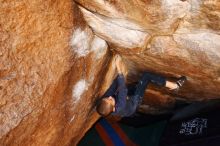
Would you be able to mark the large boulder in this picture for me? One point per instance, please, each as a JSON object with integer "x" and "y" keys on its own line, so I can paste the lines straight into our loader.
{"x": 56, "y": 60}
{"x": 169, "y": 37}
{"x": 51, "y": 67}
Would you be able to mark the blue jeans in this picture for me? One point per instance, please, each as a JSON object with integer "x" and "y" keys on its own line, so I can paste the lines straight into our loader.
{"x": 138, "y": 91}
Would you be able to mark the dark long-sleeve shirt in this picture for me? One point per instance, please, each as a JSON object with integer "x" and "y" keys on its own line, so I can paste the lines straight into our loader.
{"x": 118, "y": 91}
{"x": 125, "y": 106}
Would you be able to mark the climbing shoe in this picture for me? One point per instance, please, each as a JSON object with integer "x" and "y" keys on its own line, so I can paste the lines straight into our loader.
{"x": 181, "y": 81}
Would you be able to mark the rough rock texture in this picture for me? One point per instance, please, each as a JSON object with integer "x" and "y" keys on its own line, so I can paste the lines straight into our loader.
{"x": 56, "y": 60}
{"x": 165, "y": 36}
{"x": 50, "y": 67}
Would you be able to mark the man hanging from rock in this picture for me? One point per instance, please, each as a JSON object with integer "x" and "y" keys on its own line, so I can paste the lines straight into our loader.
{"x": 116, "y": 100}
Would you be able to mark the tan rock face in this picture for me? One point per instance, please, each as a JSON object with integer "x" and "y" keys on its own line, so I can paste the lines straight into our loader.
{"x": 50, "y": 69}
{"x": 55, "y": 60}
{"x": 171, "y": 37}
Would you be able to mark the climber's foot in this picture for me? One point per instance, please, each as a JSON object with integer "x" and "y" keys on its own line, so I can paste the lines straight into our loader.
{"x": 180, "y": 81}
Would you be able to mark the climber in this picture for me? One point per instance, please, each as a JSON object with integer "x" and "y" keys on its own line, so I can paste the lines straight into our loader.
{"x": 116, "y": 100}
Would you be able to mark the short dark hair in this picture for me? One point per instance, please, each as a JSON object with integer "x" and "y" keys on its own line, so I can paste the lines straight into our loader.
{"x": 104, "y": 108}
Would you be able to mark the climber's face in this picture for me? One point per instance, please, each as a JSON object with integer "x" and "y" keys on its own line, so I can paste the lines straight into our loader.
{"x": 111, "y": 101}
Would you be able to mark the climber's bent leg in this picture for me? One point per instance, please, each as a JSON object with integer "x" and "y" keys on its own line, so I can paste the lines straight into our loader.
{"x": 146, "y": 79}
{"x": 155, "y": 79}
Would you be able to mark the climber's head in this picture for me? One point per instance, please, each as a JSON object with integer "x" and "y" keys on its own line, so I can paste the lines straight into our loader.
{"x": 106, "y": 106}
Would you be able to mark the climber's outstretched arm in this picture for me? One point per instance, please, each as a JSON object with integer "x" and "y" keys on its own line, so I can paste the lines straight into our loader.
{"x": 119, "y": 65}
{"x": 119, "y": 80}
